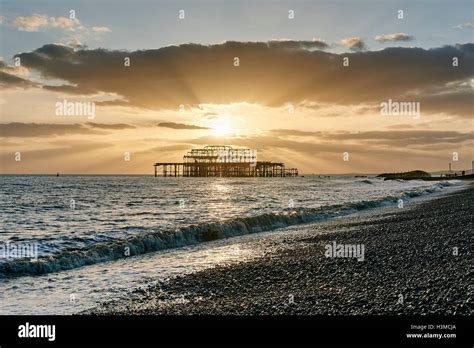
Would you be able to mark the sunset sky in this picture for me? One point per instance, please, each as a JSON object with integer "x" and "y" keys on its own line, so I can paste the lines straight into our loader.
{"x": 290, "y": 98}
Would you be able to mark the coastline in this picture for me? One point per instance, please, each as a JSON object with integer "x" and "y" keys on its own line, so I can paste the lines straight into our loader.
{"x": 409, "y": 268}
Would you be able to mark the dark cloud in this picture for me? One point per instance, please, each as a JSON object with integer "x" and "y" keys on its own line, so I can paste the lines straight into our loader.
{"x": 394, "y": 37}
{"x": 401, "y": 126}
{"x": 270, "y": 73}
{"x": 115, "y": 126}
{"x": 25, "y": 130}
{"x": 460, "y": 102}
{"x": 8, "y": 80}
{"x": 354, "y": 43}
{"x": 59, "y": 151}
{"x": 318, "y": 44}
{"x": 174, "y": 125}
{"x": 29, "y": 130}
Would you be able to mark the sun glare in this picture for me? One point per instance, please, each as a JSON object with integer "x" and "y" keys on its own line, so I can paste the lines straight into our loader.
{"x": 221, "y": 127}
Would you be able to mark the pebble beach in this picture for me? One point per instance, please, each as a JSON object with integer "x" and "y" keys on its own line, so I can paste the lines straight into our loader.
{"x": 417, "y": 261}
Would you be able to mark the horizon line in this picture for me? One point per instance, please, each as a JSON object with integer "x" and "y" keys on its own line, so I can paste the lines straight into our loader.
{"x": 151, "y": 174}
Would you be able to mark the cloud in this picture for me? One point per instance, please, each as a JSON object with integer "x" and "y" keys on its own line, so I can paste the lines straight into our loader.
{"x": 83, "y": 90}
{"x": 63, "y": 22}
{"x": 38, "y": 22}
{"x": 166, "y": 149}
{"x": 394, "y": 37}
{"x": 394, "y": 137}
{"x": 371, "y": 152}
{"x": 466, "y": 25}
{"x": 354, "y": 43}
{"x": 400, "y": 146}
{"x": 115, "y": 102}
{"x": 116, "y": 126}
{"x": 294, "y": 132}
{"x": 9, "y": 76}
{"x": 210, "y": 115}
{"x": 75, "y": 42}
{"x": 61, "y": 152}
{"x": 31, "y": 23}
{"x": 174, "y": 125}
{"x": 30, "y": 130}
{"x": 11, "y": 81}
{"x": 316, "y": 43}
{"x": 458, "y": 102}
{"x": 269, "y": 74}
{"x": 76, "y": 31}
{"x": 406, "y": 137}
{"x": 401, "y": 126}
{"x": 26, "y": 130}
{"x": 101, "y": 30}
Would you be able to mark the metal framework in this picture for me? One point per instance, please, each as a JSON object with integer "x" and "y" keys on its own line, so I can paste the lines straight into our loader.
{"x": 223, "y": 161}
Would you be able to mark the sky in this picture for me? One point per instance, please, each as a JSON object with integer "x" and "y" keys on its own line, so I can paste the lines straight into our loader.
{"x": 312, "y": 90}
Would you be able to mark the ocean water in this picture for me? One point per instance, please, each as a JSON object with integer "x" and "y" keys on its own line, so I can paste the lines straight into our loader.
{"x": 91, "y": 238}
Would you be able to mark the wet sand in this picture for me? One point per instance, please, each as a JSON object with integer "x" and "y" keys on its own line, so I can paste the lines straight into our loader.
{"x": 416, "y": 261}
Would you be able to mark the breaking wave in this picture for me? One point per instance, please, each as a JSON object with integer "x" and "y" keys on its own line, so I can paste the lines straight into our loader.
{"x": 366, "y": 181}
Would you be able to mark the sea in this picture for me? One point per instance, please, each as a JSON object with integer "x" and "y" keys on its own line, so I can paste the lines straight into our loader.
{"x": 70, "y": 242}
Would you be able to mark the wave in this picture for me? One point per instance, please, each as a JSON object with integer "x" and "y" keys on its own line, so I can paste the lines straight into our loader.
{"x": 161, "y": 240}
{"x": 366, "y": 181}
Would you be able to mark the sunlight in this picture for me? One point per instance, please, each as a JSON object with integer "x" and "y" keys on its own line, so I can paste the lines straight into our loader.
{"x": 221, "y": 127}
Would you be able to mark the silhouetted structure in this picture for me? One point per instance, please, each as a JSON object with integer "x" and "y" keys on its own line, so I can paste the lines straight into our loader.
{"x": 223, "y": 161}
{"x": 412, "y": 175}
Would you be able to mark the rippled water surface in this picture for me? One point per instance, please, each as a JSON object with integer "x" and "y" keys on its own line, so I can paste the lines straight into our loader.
{"x": 82, "y": 226}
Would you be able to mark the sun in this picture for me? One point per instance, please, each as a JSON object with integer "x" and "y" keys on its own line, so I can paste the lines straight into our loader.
{"x": 221, "y": 127}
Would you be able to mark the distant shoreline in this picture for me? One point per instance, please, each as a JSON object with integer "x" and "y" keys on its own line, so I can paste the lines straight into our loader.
{"x": 350, "y": 175}
{"x": 437, "y": 178}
